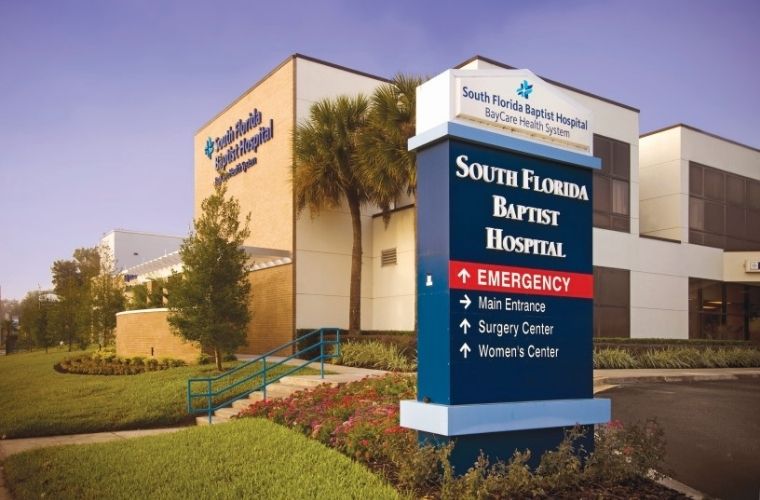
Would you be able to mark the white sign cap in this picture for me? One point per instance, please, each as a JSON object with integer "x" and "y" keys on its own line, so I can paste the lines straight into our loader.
{"x": 509, "y": 102}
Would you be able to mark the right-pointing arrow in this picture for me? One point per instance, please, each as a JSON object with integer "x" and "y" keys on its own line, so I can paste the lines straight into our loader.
{"x": 464, "y": 325}
{"x": 466, "y": 301}
{"x": 464, "y": 350}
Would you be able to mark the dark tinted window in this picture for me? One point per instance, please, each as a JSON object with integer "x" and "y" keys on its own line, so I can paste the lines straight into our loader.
{"x": 729, "y": 311}
{"x": 612, "y": 204}
{"x": 723, "y": 209}
{"x": 612, "y": 302}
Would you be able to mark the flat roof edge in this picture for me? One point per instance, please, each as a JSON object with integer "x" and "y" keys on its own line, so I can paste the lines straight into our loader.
{"x": 288, "y": 59}
{"x": 548, "y": 80}
{"x": 695, "y": 129}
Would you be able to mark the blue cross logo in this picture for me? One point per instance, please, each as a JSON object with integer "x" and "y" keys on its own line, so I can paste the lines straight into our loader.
{"x": 209, "y": 150}
{"x": 525, "y": 89}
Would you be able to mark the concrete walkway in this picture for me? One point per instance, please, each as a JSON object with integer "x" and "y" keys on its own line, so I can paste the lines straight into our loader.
{"x": 10, "y": 447}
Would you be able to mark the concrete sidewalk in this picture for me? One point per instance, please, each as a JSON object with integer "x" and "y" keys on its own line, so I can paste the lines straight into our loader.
{"x": 10, "y": 447}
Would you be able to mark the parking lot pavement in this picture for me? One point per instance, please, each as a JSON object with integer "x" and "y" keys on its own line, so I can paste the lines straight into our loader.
{"x": 712, "y": 431}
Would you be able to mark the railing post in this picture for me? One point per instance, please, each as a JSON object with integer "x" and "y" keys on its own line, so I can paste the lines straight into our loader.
{"x": 189, "y": 398}
{"x": 208, "y": 399}
{"x": 337, "y": 337}
{"x": 265, "y": 378}
{"x": 321, "y": 353}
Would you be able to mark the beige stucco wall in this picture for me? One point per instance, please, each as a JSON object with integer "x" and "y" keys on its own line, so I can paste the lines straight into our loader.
{"x": 393, "y": 287}
{"x": 734, "y": 267}
{"x": 663, "y": 193}
{"x": 139, "y": 331}
{"x": 324, "y": 243}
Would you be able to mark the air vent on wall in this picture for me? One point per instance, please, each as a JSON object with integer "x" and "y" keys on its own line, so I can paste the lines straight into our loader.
{"x": 388, "y": 257}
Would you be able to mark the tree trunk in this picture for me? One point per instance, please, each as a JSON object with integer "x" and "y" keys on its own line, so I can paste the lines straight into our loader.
{"x": 218, "y": 358}
{"x": 355, "y": 294}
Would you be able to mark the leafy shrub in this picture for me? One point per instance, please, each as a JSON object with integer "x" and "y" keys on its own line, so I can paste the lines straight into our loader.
{"x": 613, "y": 358}
{"x": 107, "y": 363}
{"x": 374, "y": 354}
{"x": 678, "y": 357}
{"x": 204, "y": 359}
{"x": 360, "y": 420}
{"x": 617, "y": 454}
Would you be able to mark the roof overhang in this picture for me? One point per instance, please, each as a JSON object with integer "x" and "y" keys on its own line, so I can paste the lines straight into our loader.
{"x": 259, "y": 258}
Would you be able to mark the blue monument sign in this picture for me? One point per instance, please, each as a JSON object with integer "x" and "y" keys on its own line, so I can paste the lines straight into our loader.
{"x": 505, "y": 286}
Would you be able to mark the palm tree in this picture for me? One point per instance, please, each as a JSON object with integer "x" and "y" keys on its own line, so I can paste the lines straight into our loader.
{"x": 325, "y": 174}
{"x": 387, "y": 167}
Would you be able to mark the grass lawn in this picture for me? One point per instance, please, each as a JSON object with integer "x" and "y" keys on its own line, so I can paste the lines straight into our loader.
{"x": 38, "y": 401}
{"x": 250, "y": 458}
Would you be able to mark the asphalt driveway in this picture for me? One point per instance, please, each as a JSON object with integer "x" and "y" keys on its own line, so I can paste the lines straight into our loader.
{"x": 712, "y": 431}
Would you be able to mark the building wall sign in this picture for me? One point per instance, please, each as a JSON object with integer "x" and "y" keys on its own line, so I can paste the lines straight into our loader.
{"x": 505, "y": 283}
{"x": 521, "y": 103}
{"x": 232, "y": 151}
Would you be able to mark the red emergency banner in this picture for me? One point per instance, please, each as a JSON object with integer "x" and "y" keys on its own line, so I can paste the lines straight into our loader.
{"x": 507, "y": 279}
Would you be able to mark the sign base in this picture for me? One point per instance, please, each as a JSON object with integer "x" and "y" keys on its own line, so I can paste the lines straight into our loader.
{"x": 458, "y": 420}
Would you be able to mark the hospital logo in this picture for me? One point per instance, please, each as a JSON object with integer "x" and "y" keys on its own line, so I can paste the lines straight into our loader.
{"x": 209, "y": 149}
{"x": 525, "y": 89}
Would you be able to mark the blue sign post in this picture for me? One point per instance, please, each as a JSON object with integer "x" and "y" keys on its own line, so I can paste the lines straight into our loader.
{"x": 505, "y": 294}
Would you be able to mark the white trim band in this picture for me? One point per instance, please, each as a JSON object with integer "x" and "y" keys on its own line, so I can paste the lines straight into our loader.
{"x": 457, "y": 420}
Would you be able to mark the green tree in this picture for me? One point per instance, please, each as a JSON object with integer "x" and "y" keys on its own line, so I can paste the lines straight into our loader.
{"x": 67, "y": 313}
{"x": 138, "y": 296}
{"x": 156, "y": 295}
{"x": 106, "y": 297}
{"x": 386, "y": 166}
{"x": 73, "y": 311}
{"x": 36, "y": 319}
{"x": 88, "y": 267}
{"x": 209, "y": 302}
{"x": 325, "y": 174}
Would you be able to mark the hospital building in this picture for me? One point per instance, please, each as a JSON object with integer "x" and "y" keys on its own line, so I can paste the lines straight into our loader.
{"x": 676, "y": 215}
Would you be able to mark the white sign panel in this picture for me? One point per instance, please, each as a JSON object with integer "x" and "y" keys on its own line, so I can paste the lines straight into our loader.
{"x": 520, "y": 103}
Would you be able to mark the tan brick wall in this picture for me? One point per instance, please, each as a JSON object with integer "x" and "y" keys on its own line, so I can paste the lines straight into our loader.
{"x": 271, "y": 306}
{"x": 265, "y": 190}
{"x": 138, "y": 331}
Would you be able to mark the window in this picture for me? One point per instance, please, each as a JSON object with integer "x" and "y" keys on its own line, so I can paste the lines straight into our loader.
{"x": 612, "y": 186}
{"x": 612, "y": 302}
{"x": 388, "y": 257}
{"x": 719, "y": 310}
{"x": 724, "y": 209}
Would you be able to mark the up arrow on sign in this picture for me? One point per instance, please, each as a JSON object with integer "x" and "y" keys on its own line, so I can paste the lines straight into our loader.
{"x": 463, "y": 275}
{"x": 464, "y": 325}
{"x": 464, "y": 350}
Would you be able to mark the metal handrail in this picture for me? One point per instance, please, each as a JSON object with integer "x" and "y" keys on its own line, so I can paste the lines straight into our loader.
{"x": 209, "y": 394}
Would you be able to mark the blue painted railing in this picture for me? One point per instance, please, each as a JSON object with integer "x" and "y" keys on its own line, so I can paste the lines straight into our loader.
{"x": 256, "y": 374}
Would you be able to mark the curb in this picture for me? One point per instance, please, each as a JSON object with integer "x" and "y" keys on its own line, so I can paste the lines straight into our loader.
{"x": 613, "y": 380}
{"x": 681, "y": 488}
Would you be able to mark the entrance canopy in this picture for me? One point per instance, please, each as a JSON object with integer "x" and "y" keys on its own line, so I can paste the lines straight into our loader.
{"x": 162, "y": 267}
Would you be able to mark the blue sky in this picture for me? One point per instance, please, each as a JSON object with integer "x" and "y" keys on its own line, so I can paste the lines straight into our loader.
{"x": 99, "y": 100}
